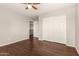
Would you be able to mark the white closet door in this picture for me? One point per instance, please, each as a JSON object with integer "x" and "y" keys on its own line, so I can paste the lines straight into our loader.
{"x": 54, "y": 29}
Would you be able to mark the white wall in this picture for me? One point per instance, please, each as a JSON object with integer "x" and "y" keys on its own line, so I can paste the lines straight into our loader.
{"x": 71, "y": 34}
{"x": 54, "y": 29}
{"x": 77, "y": 27}
{"x": 40, "y": 22}
{"x": 13, "y": 27}
{"x": 69, "y": 12}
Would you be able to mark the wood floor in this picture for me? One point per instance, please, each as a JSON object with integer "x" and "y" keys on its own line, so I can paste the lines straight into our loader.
{"x": 37, "y": 48}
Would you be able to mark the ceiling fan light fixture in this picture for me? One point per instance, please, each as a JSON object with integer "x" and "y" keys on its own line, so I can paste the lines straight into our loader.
{"x": 29, "y": 6}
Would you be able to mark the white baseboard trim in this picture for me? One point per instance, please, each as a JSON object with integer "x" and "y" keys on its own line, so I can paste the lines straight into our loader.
{"x": 70, "y": 45}
{"x": 66, "y": 45}
{"x": 12, "y": 42}
{"x": 77, "y": 50}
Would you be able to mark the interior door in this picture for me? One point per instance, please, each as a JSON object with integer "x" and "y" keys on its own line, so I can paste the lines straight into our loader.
{"x": 54, "y": 29}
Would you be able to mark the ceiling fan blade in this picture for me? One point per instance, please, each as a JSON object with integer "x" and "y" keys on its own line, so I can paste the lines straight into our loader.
{"x": 36, "y": 3}
{"x": 26, "y": 8}
{"x": 34, "y": 7}
{"x": 23, "y": 3}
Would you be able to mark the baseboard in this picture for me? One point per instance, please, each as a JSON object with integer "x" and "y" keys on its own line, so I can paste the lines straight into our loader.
{"x": 74, "y": 47}
{"x": 77, "y": 50}
{"x": 70, "y": 45}
{"x": 8, "y": 43}
{"x": 66, "y": 45}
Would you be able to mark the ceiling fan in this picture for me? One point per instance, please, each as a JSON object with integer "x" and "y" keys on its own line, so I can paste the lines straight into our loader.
{"x": 31, "y": 5}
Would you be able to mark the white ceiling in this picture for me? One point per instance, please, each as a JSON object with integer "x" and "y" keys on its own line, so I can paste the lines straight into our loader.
{"x": 42, "y": 8}
{"x": 19, "y": 8}
{"x": 49, "y": 7}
